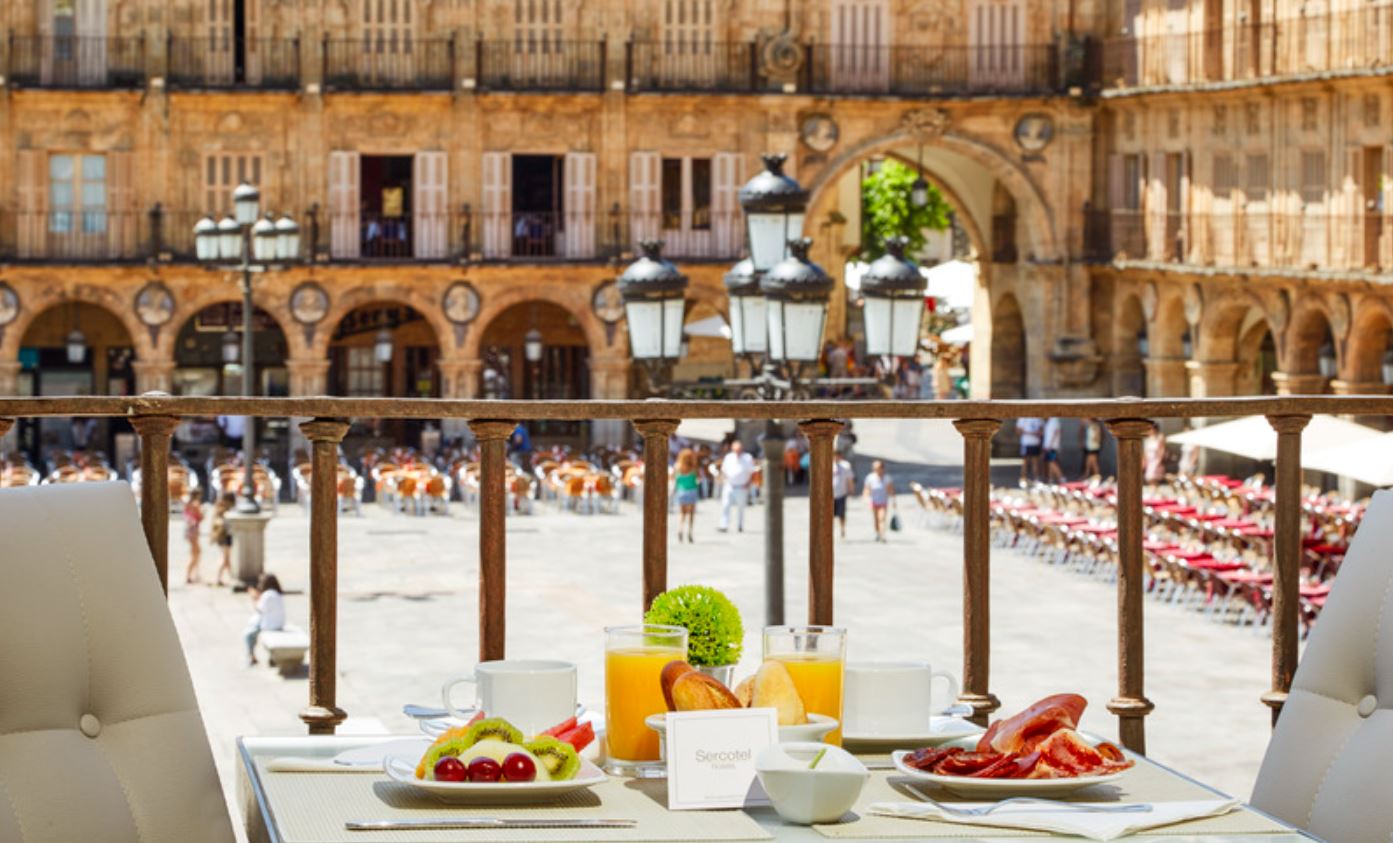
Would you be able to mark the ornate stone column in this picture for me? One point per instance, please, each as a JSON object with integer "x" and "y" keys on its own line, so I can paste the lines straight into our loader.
{"x": 609, "y": 378}
{"x": 308, "y": 377}
{"x": 1293, "y": 384}
{"x": 9, "y": 377}
{"x": 153, "y": 375}
{"x": 459, "y": 378}
{"x": 1211, "y": 378}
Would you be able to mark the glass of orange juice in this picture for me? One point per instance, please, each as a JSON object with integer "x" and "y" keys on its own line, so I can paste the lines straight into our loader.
{"x": 634, "y": 660}
{"x": 815, "y": 657}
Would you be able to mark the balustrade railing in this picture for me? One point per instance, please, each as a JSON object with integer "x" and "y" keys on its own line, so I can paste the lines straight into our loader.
{"x": 378, "y": 62}
{"x": 539, "y": 64}
{"x": 83, "y": 234}
{"x": 1319, "y": 42}
{"x": 211, "y": 62}
{"x": 153, "y": 417}
{"x": 75, "y": 61}
{"x": 713, "y": 67}
{"x": 929, "y": 71}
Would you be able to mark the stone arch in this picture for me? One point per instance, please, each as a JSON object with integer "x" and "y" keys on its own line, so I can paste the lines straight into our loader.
{"x": 1369, "y": 340}
{"x": 965, "y": 218}
{"x": 424, "y": 298}
{"x": 1222, "y": 322}
{"x": 1166, "y": 334}
{"x": 1129, "y": 327}
{"x": 39, "y": 299}
{"x": 1010, "y": 369}
{"x": 1309, "y": 330}
{"x": 496, "y": 302}
{"x": 205, "y": 351}
{"x": 1043, "y": 238}
{"x": 564, "y": 371}
{"x": 1256, "y": 354}
{"x": 192, "y": 300}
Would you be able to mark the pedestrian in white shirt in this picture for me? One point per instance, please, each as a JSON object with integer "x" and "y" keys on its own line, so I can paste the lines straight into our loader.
{"x": 843, "y": 484}
{"x": 1029, "y": 430}
{"x": 1052, "y": 439}
{"x": 269, "y": 615}
{"x": 737, "y": 470}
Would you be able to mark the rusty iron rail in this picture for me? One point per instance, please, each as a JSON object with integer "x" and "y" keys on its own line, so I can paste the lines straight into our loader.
{"x": 154, "y": 417}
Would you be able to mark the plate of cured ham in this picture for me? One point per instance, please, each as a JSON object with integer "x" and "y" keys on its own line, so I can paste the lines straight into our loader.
{"x": 1038, "y": 752}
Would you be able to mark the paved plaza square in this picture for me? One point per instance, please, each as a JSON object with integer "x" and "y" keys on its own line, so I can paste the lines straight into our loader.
{"x": 408, "y": 603}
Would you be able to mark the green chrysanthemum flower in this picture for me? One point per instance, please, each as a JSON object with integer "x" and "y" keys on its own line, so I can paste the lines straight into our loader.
{"x": 715, "y": 635}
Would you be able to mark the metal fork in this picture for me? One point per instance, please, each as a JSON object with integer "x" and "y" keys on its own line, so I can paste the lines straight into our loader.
{"x": 1133, "y": 808}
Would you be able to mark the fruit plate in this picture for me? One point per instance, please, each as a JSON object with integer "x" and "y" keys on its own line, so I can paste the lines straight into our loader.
{"x": 494, "y": 793}
{"x": 1002, "y": 788}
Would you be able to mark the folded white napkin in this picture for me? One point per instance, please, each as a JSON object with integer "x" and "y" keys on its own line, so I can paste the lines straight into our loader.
{"x": 1093, "y": 826}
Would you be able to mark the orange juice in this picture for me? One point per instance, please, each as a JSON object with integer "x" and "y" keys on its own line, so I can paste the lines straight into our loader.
{"x": 632, "y": 693}
{"x": 818, "y": 679}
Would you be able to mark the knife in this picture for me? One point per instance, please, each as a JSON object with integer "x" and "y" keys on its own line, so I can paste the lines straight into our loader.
{"x": 451, "y": 823}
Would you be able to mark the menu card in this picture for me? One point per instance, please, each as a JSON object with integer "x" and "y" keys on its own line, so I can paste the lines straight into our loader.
{"x": 711, "y": 757}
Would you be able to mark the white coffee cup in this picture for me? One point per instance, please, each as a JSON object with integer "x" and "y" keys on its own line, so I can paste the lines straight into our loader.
{"x": 533, "y": 695}
{"x": 892, "y": 699}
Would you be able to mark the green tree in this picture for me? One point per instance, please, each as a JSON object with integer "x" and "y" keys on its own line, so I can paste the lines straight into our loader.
{"x": 886, "y": 210}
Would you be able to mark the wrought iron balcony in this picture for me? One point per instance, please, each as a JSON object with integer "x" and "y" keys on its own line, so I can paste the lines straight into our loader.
{"x": 533, "y": 64}
{"x": 264, "y": 63}
{"x": 692, "y": 68}
{"x": 72, "y": 61}
{"x": 377, "y": 63}
{"x": 923, "y": 71}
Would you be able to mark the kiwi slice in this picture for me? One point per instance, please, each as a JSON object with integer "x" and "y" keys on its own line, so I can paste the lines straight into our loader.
{"x": 437, "y": 751}
{"x": 556, "y": 756}
{"x": 493, "y": 728}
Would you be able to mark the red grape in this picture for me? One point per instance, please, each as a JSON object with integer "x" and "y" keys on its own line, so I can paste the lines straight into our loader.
{"x": 449, "y": 769}
{"x": 518, "y": 767}
{"x": 484, "y": 770}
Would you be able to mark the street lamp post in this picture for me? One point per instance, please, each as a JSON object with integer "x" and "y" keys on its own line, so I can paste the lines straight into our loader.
{"x": 653, "y": 291}
{"x": 893, "y": 288}
{"x": 246, "y": 243}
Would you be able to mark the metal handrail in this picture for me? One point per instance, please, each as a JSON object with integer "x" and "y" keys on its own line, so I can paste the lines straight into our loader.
{"x": 154, "y": 418}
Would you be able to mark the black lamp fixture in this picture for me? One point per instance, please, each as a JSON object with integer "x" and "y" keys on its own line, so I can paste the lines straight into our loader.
{"x": 654, "y": 294}
{"x": 893, "y": 291}
{"x": 749, "y": 328}
{"x": 231, "y": 346}
{"x": 774, "y": 206}
{"x": 919, "y": 190}
{"x": 382, "y": 345}
{"x": 797, "y": 291}
{"x": 532, "y": 346}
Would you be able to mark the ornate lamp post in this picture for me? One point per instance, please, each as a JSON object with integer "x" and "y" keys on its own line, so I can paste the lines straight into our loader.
{"x": 893, "y": 288}
{"x": 246, "y": 243}
{"x": 654, "y": 295}
{"x": 749, "y": 331}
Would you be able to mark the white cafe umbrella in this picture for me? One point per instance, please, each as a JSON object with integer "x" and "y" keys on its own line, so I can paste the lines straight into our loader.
{"x": 954, "y": 282}
{"x": 1254, "y": 438}
{"x": 957, "y": 335}
{"x": 1368, "y": 460}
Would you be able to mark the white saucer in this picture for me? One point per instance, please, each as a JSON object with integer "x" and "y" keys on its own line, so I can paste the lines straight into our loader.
{"x": 942, "y": 729}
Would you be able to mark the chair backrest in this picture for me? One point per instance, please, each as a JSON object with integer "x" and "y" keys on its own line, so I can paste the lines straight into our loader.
{"x": 1328, "y": 765}
{"x": 100, "y": 734}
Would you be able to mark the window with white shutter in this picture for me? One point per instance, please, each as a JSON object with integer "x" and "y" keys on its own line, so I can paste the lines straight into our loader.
{"x": 539, "y": 46}
{"x": 219, "y": 55}
{"x": 498, "y": 204}
{"x": 344, "y": 206}
{"x": 996, "y": 42}
{"x": 579, "y": 204}
{"x": 644, "y": 195}
{"x": 222, "y": 172}
{"x": 859, "y": 44}
{"x": 76, "y": 51}
{"x": 77, "y": 205}
{"x": 430, "y": 210}
{"x": 727, "y": 223}
{"x": 389, "y": 39}
{"x": 1258, "y": 177}
{"x": 685, "y": 203}
{"x": 31, "y": 175}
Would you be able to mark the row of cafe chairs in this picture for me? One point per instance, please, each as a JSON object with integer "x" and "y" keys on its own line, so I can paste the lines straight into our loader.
{"x": 16, "y": 471}
{"x": 405, "y": 483}
{"x": 1207, "y": 543}
{"x": 349, "y": 485}
{"x": 182, "y": 481}
{"x": 225, "y": 475}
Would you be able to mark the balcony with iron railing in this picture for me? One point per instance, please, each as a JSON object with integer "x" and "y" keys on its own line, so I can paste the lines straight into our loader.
{"x": 380, "y": 63}
{"x": 924, "y": 71}
{"x": 710, "y": 67}
{"x": 493, "y": 421}
{"x": 539, "y": 64}
{"x": 75, "y": 236}
{"x": 1305, "y": 240}
{"x": 251, "y": 63}
{"x": 71, "y": 61}
{"x": 1354, "y": 41}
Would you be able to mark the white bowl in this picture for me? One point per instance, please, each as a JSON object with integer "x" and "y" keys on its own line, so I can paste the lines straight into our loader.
{"x": 805, "y": 796}
{"x": 818, "y": 727}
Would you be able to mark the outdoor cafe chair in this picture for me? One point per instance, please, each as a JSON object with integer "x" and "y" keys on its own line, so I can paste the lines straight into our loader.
{"x": 1328, "y": 764}
{"x": 100, "y": 733}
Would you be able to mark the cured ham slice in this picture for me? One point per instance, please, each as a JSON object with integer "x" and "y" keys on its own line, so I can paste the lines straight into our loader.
{"x": 1065, "y": 754}
{"x": 1026, "y": 731}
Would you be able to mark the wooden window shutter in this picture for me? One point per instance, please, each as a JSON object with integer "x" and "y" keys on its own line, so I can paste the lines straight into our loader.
{"x": 430, "y": 215}
{"x": 580, "y": 204}
{"x": 1117, "y": 189}
{"x": 643, "y": 195}
{"x": 727, "y": 174}
{"x": 344, "y": 236}
{"x": 33, "y": 194}
{"x": 498, "y": 204}
{"x": 120, "y": 204}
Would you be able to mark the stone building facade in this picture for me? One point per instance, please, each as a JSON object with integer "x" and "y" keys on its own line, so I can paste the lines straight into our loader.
{"x": 1165, "y": 196}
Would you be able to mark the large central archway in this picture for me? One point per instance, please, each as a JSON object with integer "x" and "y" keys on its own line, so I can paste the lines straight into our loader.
{"x": 384, "y": 349}
{"x": 561, "y": 370}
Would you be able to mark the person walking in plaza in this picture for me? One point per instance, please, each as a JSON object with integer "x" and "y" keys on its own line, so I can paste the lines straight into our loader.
{"x": 879, "y": 490}
{"x": 269, "y": 615}
{"x": 1030, "y": 430}
{"x": 1051, "y": 441}
{"x": 221, "y": 536}
{"x": 1154, "y": 455}
{"x": 843, "y": 486}
{"x": 686, "y": 491}
{"x": 1091, "y": 440}
{"x": 193, "y": 517}
{"x": 737, "y": 470}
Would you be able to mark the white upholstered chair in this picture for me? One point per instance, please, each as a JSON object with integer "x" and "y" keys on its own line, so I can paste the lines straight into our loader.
{"x": 1330, "y": 761}
{"x": 100, "y": 735}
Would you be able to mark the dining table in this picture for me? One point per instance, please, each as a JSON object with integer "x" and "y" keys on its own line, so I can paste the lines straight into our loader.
{"x": 286, "y": 802}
